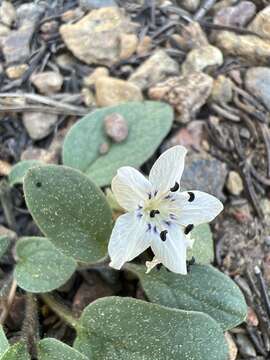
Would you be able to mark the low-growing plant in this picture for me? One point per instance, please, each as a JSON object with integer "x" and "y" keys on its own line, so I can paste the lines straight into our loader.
{"x": 187, "y": 309}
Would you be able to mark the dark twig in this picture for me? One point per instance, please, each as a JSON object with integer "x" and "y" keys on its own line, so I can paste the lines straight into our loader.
{"x": 266, "y": 138}
{"x": 256, "y": 340}
{"x": 203, "y": 9}
{"x": 235, "y": 29}
{"x": 263, "y": 289}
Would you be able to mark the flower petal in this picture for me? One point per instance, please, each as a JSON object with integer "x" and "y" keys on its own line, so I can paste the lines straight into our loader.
{"x": 130, "y": 187}
{"x": 202, "y": 209}
{"x": 168, "y": 168}
{"x": 128, "y": 239}
{"x": 173, "y": 251}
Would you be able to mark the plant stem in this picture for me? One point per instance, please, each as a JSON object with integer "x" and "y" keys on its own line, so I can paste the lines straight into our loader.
{"x": 61, "y": 310}
{"x": 6, "y": 201}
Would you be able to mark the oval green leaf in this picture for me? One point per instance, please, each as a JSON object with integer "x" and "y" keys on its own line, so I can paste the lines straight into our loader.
{"x": 52, "y": 349}
{"x": 203, "y": 247}
{"x": 204, "y": 289}
{"x": 41, "y": 267}
{"x": 116, "y": 328}
{"x": 4, "y": 345}
{"x": 19, "y": 170}
{"x": 148, "y": 123}
{"x": 70, "y": 210}
{"x": 17, "y": 351}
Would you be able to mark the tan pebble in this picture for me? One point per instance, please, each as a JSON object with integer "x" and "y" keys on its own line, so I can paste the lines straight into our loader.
{"x": 116, "y": 127}
{"x": 144, "y": 46}
{"x": 252, "y": 318}
{"x": 5, "y": 168}
{"x": 16, "y": 71}
{"x": 7, "y": 13}
{"x": 111, "y": 91}
{"x": 200, "y": 59}
{"x": 128, "y": 45}
{"x": 91, "y": 79}
{"x": 88, "y": 97}
{"x": 234, "y": 183}
{"x": 231, "y": 345}
{"x": 222, "y": 90}
{"x": 72, "y": 14}
{"x": 261, "y": 23}
{"x": 156, "y": 68}
{"x": 47, "y": 82}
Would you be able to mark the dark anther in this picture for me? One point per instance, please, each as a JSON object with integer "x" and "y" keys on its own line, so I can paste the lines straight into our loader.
{"x": 38, "y": 184}
{"x": 188, "y": 228}
{"x": 190, "y": 263}
{"x": 149, "y": 196}
{"x": 153, "y": 213}
{"x": 163, "y": 235}
{"x": 191, "y": 196}
{"x": 175, "y": 187}
{"x": 149, "y": 227}
{"x": 159, "y": 266}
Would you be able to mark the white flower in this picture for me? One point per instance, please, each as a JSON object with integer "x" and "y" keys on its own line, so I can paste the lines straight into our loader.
{"x": 159, "y": 216}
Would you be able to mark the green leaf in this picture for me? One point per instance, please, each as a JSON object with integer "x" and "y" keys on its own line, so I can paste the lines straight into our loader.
{"x": 4, "y": 244}
{"x": 204, "y": 289}
{"x": 115, "y": 328}
{"x": 17, "y": 351}
{"x": 4, "y": 345}
{"x": 41, "y": 267}
{"x": 148, "y": 122}
{"x": 203, "y": 248}
{"x": 19, "y": 170}
{"x": 52, "y": 349}
{"x": 70, "y": 210}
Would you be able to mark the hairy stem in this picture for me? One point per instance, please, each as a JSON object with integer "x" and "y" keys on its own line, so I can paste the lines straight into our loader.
{"x": 61, "y": 310}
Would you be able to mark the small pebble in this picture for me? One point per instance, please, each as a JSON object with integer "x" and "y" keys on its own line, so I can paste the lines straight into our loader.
{"x": 104, "y": 148}
{"x": 88, "y": 97}
{"x": 112, "y": 91}
{"x": 257, "y": 82}
{"x": 7, "y": 13}
{"x": 238, "y": 15}
{"x": 16, "y": 71}
{"x": 156, "y": 68}
{"x": 200, "y": 59}
{"x": 38, "y": 125}
{"x": 234, "y": 183}
{"x": 128, "y": 45}
{"x": 222, "y": 90}
{"x": 116, "y": 127}
{"x": 47, "y": 82}
{"x": 261, "y": 23}
{"x": 91, "y": 79}
{"x": 245, "y": 346}
{"x": 187, "y": 94}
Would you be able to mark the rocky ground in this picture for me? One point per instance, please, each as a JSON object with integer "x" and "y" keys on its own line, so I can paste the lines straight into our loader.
{"x": 209, "y": 60}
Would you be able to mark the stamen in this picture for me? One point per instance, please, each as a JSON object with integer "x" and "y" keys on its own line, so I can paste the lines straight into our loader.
{"x": 175, "y": 187}
{"x": 149, "y": 196}
{"x": 153, "y": 213}
{"x": 191, "y": 196}
{"x": 188, "y": 228}
{"x": 155, "y": 229}
{"x": 148, "y": 227}
{"x": 155, "y": 193}
{"x": 163, "y": 235}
